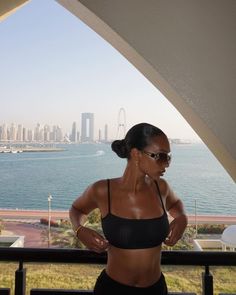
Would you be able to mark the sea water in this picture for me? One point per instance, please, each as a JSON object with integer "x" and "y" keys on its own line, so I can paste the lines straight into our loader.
{"x": 26, "y": 179}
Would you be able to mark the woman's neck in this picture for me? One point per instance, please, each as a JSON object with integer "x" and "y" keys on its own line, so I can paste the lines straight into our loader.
{"x": 132, "y": 179}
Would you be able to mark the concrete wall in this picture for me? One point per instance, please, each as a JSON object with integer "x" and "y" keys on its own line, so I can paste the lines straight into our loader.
{"x": 16, "y": 241}
{"x": 186, "y": 48}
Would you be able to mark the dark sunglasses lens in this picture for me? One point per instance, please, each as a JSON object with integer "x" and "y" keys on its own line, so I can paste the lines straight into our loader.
{"x": 165, "y": 157}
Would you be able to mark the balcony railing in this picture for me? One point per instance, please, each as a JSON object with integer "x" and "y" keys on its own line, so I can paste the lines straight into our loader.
{"x": 22, "y": 255}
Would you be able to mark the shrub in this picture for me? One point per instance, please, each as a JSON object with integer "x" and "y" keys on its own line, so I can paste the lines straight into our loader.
{"x": 211, "y": 228}
{"x": 185, "y": 243}
{"x": 52, "y": 222}
{"x": 94, "y": 217}
{"x": 65, "y": 223}
{"x": 1, "y": 226}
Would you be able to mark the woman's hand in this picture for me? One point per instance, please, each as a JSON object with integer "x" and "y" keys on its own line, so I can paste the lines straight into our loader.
{"x": 177, "y": 227}
{"x": 92, "y": 240}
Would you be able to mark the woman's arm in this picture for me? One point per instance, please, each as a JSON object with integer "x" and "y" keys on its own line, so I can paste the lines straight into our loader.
{"x": 81, "y": 207}
{"x": 79, "y": 210}
{"x": 176, "y": 210}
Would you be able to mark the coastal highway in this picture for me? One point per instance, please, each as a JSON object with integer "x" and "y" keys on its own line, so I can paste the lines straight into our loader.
{"x": 37, "y": 214}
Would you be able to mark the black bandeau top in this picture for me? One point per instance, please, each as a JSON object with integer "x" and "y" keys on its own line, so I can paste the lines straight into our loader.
{"x": 127, "y": 233}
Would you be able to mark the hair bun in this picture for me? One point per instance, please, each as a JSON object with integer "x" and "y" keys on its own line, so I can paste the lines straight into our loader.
{"x": 119, "y": 147}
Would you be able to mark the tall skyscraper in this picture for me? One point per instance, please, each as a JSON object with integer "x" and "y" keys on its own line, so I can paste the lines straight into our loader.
{"x": 12, "y": 132}
{"x": 106, "y": 133}
{"x": 24, "y": 134}
{"x": 74, "y": 132}
{"x": 78, "y": 136}
{"x": 99, "y": 135}
{"x": 53, "y": 134}
{"x": 87, "y": 127}
{"x": 59, "y": 134}
{"x": 37, "y": 132}
{"x": 46, "y": 133}
{"x": 30, "y": 135}
{"x": 19, "y": 134}
{"x": 4, "y": 132}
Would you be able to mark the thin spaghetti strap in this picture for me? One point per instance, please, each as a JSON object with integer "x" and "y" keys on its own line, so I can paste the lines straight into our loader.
{"x": 159, "y": 192}
{"x": 108, "y": 195}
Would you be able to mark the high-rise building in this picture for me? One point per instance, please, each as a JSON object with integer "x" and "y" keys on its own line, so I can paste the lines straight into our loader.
{"x": 36, "y": 132}
{"x": 78, "y": 136}
{"x": 53, "y": 133}
{"x": 100, "y": 135}
{"x": 19, "y": 134}
{"x": 59, "y": 134}
{"x": 46, "y": 133}
{"x": 30, "y": 135}
{"x": 106, "y": 133}
{"x": 4, "y": 132}
{"x": 74, "y": 132}
{"x": 87, "y": 127}
{"x": 24, "y": 134}
{"x": 13, "y": 132}
{"x": 41, "y": 135}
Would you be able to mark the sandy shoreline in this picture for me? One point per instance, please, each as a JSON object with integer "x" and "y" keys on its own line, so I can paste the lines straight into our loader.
{"x": 57, "y": 214}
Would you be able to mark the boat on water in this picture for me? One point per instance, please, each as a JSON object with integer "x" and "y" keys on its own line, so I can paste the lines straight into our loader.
{"x": 16, "y": 151}
{"x": 10, "y": 151}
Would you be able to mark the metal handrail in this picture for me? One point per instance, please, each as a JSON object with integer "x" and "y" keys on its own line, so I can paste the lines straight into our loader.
{"x": 52, "y": 255}
{"x": 61, "y": 255}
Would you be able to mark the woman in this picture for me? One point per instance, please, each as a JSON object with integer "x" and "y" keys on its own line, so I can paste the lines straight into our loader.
{"x": 133, "y": 215}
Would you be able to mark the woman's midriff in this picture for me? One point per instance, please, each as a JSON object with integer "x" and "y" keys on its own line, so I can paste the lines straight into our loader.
{"x": 134, "y": 267}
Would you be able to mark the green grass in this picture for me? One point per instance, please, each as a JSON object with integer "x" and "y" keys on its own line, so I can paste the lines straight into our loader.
{"x": 78, "y": 276}
{"x": 188, "y": 279}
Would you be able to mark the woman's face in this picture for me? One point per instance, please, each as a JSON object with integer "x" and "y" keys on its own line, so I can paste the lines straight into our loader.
{"x": 155, "y": 157}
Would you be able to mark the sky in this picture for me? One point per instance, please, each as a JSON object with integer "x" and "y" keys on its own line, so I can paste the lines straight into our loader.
{"x": 54, "y": 67}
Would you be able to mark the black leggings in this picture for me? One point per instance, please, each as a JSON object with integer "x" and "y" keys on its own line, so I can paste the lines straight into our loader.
{"x": 107, "y": 286}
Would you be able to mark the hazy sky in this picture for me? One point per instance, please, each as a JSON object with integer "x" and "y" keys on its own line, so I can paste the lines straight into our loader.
{"x": 54, "y": 67}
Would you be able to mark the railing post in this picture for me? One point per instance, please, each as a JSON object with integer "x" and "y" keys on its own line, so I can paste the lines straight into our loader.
{"x": 207, "y": 282}
{"x": 20, "y": 280}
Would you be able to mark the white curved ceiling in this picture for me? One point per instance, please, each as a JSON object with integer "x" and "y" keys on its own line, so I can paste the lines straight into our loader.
{"x": 186, "y": 48}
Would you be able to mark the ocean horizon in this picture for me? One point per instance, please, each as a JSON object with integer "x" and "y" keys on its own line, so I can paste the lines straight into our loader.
{"x": 26, "y": 179}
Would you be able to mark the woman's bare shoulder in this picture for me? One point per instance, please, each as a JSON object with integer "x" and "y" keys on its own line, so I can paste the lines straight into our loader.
{"x": 99, "y": 187}
{"x": 99, "y": 191}
{"x": 164, "y": 187}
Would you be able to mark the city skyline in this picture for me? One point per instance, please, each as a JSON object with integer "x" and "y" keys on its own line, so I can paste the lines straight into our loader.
{"x": 44, "y": 133}
{"x": 63, "y": 68}
{"x": 84, "y": 132}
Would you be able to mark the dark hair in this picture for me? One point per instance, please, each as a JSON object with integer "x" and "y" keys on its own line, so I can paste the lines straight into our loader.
{"x": 139, "y": 136}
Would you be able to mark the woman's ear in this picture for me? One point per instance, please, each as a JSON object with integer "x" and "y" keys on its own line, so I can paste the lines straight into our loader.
{"x": 135, "y": 154}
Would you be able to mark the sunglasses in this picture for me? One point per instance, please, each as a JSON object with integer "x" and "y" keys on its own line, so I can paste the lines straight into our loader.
{"x": 161, "y": 156}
